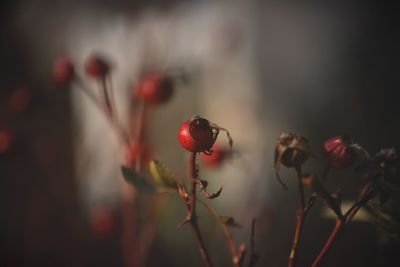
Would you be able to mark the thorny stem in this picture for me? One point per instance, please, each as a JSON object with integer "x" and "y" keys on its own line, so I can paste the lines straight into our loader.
{"x": 300, "y": 220}
{"x": 365, "y": 196}
{"x": 106, "y": 96}
{"x": 311, "y": 201}
{"x": 237, "y": 255}
{"x": 191, "y": 218}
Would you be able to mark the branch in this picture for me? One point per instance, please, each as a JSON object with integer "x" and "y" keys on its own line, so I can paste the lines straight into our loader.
{"x": 299, "y": 222}
{"x": 365, "y": 195}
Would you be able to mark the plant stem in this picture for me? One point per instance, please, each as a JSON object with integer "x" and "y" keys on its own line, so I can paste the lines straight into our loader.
{"x": 192, "y": 219}
{"x": 236, "y": 255}
{"x": 113, "y": 121}
{"x": 364, "y": 197}
{"x": 299, "y": 222}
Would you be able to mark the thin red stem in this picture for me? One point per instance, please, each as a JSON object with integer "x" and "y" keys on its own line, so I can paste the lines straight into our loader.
{"x": 299, "y": 221}
{"x": 236, "y": 257}
{"x": 365, "y": 196}
{"x": 192, "y": 219}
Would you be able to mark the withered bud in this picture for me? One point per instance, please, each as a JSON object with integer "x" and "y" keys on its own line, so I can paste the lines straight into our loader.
{"x": 388, "y": 164}
{"x": 292, "y": 150}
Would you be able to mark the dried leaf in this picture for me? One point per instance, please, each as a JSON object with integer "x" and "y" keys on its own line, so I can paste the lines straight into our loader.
{"x": 229, "y": 221}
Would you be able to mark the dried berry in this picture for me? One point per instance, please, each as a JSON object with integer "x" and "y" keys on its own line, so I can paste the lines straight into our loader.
{"x": 155, "y": 88}
{"x": 339, "y": 152}
{"x": 292, "y": 150}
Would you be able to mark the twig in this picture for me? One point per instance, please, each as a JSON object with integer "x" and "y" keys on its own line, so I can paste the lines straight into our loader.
{"x": 300, "y": 220}
{"x": 365, "y": 195}
{"x": 237, "y": 254}
{"x": 253, "y": 255}
{"x": 191, "y": 217}
{"x": 113, "y": 121}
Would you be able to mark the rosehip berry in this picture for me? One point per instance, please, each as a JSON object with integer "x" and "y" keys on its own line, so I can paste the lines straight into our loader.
{"x": 136, "y": 152}
{"x": 102, "y": 223}
{"x": 388, "y": 161}
{"x": 6, "y": 140}
{"x": 97, "y": 67}
{"x": 196, "y": 135}
{"x": 63, "y": 71}
{"x": 338, "y": 152}
{"x": 155, "y": 88}
{"x": 216, "y": 158}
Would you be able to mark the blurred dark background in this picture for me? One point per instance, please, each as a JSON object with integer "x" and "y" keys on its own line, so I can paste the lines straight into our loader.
{"x": 322, "y": 69}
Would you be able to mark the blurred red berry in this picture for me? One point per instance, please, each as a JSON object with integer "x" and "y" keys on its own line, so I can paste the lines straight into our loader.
{"x": 196, "y": 135}
{"x": 216, "y": 158}
{"x": 155, "y": 88}
{"x": 20, "y": 99}
{"x": 6, "y": 140}
{"x": 97, "y": 67}
{"x": 63, "y": 71}
{"x": 136, "y": 152}
{"x": 338, "y": 152}
{"x": 102, "y": 223}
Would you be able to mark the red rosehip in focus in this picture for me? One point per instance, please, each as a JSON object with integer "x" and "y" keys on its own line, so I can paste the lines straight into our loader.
{"x": 97, "y": 67}
{"x": 136, "y": 153}
{"x": 155, "y": 88}
{"x": 338, "y": 152}
{"x": 102, "y": 223}
{"x": 6, "y": 140}
{"x": 216, "y": 158}
{"x": 196, "y": 135}
{"x": 63, "y": 71}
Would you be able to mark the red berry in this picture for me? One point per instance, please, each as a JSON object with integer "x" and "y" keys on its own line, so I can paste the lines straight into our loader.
{"x": 338, "y": 152}
{"x": 102, "y": 223}
{"x": 135, "y": 152}
{"x": 63, "y": 71}
{"x": 155, "y": 88}
{"x": 196, "y": 135}
{"x": 6, "y": 140}
{"x": 97, "y": 67}
{"x": 216, "y": 158}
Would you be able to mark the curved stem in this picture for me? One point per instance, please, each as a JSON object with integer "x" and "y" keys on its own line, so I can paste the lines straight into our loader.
{"x": 299, "y": 222}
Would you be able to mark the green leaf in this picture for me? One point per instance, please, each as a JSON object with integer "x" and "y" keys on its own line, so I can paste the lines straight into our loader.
{"x": 161, "y": 175}
{"x": 136, "y": 180}
{"x": 229, "y": 221}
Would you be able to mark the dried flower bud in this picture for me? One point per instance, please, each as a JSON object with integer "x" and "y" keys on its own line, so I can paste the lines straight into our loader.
{"x": 292, "y": 150}
{"x": 97, "y": 67}
{"x": 63, "y": 71}
{"x": 388, "y": 162}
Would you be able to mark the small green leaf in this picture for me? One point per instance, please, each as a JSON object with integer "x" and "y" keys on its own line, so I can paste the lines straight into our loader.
{"x": 136, "y": 180}
{"x": 161, "y": 175}
{"x": 229, "y": 221}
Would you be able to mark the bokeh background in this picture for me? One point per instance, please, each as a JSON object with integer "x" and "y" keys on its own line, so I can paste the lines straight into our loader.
{"x": 258, "y": 68}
